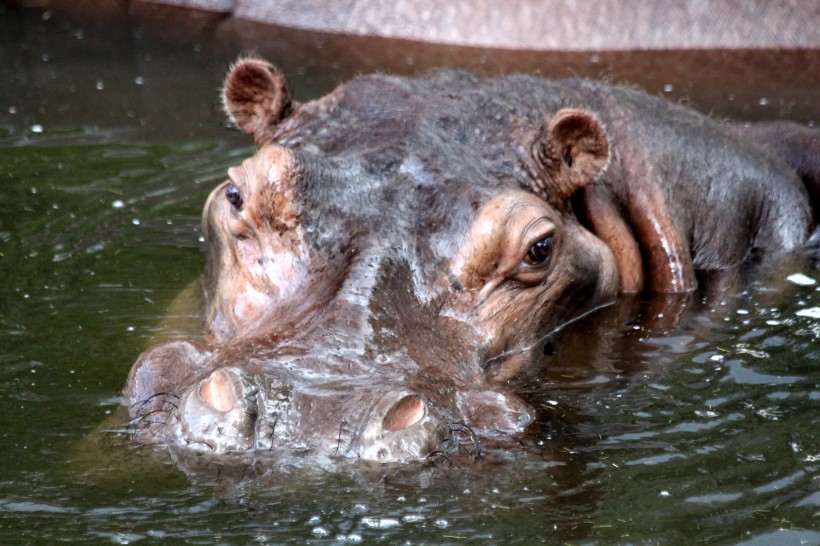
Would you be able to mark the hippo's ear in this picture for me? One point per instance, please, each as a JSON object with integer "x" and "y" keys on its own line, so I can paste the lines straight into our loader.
{"x": 573, "y": 152}
{"x": 256, "y": 98}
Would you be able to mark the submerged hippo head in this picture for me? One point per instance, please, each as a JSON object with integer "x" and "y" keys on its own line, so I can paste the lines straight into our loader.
{"x": 391, "y": 252}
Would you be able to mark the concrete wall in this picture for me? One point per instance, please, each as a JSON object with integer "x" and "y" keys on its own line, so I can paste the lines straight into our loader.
{"x": 562, "y": 25}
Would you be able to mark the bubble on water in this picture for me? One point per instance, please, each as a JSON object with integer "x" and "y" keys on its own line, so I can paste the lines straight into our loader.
{"x": 665, "y": 493}
{"x": 441, "y": 523}
{"x": 413, "y": 518}
{"x": 800, "y": 279}
{"x": 37, "y": 128}
{"x": 139, "y": 80}
{"x": 763, "y": 101}
{"x": 118, "y": 204}
{"x": 668, "y": 88}
{"x": 136, "y": 221}
{"x": 100, "y": 85}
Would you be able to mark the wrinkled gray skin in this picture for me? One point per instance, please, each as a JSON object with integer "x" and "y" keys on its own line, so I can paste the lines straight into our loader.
{"x": 395, "y": 251}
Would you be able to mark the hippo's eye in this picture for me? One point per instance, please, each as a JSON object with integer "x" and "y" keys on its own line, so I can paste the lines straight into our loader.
{"x": 539, "y": 253}
{"x": 233, "y": 196}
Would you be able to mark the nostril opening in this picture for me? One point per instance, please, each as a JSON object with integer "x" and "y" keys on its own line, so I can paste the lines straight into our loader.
{"x": 405, "y": 413}
{"x": 216, "y": 392}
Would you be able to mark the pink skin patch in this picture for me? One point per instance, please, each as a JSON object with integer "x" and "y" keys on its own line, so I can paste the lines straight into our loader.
{"x": 405, "y": 413}
{"x": 216, "y": 392}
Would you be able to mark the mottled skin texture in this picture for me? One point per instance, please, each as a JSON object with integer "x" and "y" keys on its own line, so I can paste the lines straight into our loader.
{"x": 395, "y": 250}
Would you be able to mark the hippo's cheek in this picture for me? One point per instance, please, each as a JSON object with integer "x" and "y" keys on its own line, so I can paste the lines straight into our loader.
{"x": 248, "y": 305}
{"x": 599, "y": 264}
{"x": 284, "y": 271}
{"x": 218, "y": 414}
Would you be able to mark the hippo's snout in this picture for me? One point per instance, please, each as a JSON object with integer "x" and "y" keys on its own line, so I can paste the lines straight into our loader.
{"x": 231, "y": 410}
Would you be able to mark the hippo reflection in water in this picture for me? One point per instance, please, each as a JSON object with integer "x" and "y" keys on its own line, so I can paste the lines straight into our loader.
{"x": 394, "y": 251}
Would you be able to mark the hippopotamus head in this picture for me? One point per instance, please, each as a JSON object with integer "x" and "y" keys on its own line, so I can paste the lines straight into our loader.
{"x": 391, "y": 254}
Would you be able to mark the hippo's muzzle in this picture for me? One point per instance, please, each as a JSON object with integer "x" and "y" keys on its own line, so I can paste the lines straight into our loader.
{"x": 232, "y": 410}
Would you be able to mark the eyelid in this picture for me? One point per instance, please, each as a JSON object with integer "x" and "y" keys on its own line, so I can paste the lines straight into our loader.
{"x": 535, "y": 230}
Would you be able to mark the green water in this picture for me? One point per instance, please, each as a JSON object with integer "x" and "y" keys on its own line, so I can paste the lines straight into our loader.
{"x": 696, "y": 430}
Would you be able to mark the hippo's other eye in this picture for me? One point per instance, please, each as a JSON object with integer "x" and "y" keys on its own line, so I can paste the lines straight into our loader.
{"x": 539, "y": 253}
{"x": 233, "y": 196}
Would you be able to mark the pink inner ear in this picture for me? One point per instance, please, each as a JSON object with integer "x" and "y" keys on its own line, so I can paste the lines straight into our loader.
{"x": 216, "y": 392}
{"x": 405, "y": 413}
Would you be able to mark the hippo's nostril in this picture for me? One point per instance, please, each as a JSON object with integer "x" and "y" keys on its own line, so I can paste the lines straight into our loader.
{"x": 406, "y": 412}
{"x": 216, "y": 392}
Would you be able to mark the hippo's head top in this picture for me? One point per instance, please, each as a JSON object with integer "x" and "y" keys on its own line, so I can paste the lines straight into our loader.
{"x": 396, "y": 247}
{"x": 469, "y": 193}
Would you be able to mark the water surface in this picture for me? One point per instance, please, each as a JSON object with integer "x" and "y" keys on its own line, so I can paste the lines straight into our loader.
{"x": 680, "y": 421}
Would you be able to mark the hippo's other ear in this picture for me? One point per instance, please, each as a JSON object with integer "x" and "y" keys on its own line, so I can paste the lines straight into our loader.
{"x": 256, "y": 98}
{"x": 573, "y": 152}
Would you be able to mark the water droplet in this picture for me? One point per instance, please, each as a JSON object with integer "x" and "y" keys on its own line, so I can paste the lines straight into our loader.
{"x": 139, "y": 80}
{"x": 320, "y": 532}
{"x": 100, "y": 85}
{"x": 668, "y": 88}
{"x": 801, "y": 279}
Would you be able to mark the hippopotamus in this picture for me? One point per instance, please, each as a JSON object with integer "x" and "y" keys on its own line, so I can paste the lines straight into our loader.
{"x": 394, "y": 252}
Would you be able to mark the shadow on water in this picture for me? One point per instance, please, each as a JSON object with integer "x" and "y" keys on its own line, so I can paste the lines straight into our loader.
{"x": 680, "y": 420}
